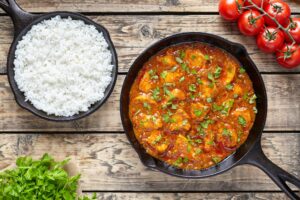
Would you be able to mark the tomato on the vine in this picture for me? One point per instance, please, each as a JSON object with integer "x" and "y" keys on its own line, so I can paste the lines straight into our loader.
{"x": 230, "y": 9}
{"x": 270, "y": 39}
{"x": 279, "y": 10}
{"x": 289, "y": 56}
{"x": 294, "y": 29}
{"x": 251, "y": 22}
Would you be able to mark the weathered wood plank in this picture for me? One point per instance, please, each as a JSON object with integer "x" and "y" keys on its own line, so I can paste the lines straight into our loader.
{"x": 284, "y": 112}
{"x": 132, "y": 34}
{"x": 107, "y": 162}
{"x": 188, "y": 196}
{"x": 127, "y": 5}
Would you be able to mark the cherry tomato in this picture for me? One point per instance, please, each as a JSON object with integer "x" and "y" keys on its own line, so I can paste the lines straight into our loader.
{"x": 230, "y": 9}
{"x": 251, "y": 23}
{"x": 270, "y": 40}
{"x": 294, "y": 29}
{"x": 289, "y": 56}
{"x": 257, "y": 2}
{"x": 278, "y": 9}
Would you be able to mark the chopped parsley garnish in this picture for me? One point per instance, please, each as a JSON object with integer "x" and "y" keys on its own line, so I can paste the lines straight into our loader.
{"x": 179, "y": 60}
{"x": 146, "y": 105}
{"x": 188, "y": 148}
{"x": 206, "y": 57}
{"x": 229, "y": 86}
{"x": 242, "y": 70}
{"x": 193, "y": 57}
{"x": 167, "y": 118}
{"x": 235, "y": 96}
{"x": 174, "y": 69}
{"x": 155, "y": 94}
{"x": 226, "y": 132}
{"x": 211, "y": 142}
{"x": 245, "y": 96}
{"x": 252, "y": 99}
{"x": 199, "y": 81}
{"x": 216, "y": 159}
{"x": 255, "y": 110}
{"x": 174, "y": 106}
{"x": 194, "y": 72}
{"x": 185, "y": 160}
{"x": 198, "y": 151}
{"x": 157, "y": 139}
{"x": 198, "y": 113}
{"x": 164, "y": 74}
{"x": 216, "y": 107}
{"x": 192, "y": 88}
{"x": 209, "y": 100}
{"x": 152, "y": 74}
{"x": 217, "y": 72}
{"x": 181, "y": 79}
{"x": 242, "y": 121}
{"x": 227, "y": 106}
{"x": 182, "y": 54}
{"x": 200, "y": 131}
{"x": 206, "y": 123}
{"x": 199, "y": 141}
{"x": 184, "y": 122}
{"x": 185, "y": 67}
{"x": 211, "y": 77}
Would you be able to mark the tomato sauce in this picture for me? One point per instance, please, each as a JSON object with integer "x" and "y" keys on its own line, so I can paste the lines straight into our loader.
{"x": 192, "y": 105}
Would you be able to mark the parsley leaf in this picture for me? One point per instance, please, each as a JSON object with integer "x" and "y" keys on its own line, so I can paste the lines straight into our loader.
{"x": 242, "y": 121}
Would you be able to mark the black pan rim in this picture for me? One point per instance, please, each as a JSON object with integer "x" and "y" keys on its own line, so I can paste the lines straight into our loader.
{"x": 169, "y": 169}
{"x": 27, "y": 105}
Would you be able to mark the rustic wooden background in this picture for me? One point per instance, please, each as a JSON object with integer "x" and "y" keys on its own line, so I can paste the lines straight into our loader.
{"x": 97, "y": 144}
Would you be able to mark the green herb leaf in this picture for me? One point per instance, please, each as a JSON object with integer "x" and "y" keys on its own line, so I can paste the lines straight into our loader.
{"x": 206, "y": 123}
{"x": 229, "y": 86}
{"x": 206, "y": 57}
{"x": 198, "y": 113}
{"x": 147, "y": 106}
{"x": 179, "y": 60}
{"x": 157, "y": 139}
{"x": 216, "y": 159}
{"x": 209, "y": 100}
{"x": 242, "y": 121}
{"x": 192, "y": 88}
{"x": 217, "y": 72}
{"x": 155, "y": 94}
{"x": 252, "y": 99}
{"x": 181, "y": 79}
{"x": 242, "y": 70}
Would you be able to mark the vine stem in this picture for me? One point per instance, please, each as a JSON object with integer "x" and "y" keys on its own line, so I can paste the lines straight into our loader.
{"x": 273, "y": 18}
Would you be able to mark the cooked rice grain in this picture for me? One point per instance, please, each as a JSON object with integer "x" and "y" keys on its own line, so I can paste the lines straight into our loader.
{"x": 63, "y": 66}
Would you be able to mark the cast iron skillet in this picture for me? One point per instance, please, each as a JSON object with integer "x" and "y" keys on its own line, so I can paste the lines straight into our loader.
{"x": 249, "y": 153}
{"x": 23, "y": 22}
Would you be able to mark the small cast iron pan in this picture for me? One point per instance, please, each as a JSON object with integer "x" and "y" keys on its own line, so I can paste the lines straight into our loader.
{"x": 23, "y": 22}
{"x": 249, "y": 153}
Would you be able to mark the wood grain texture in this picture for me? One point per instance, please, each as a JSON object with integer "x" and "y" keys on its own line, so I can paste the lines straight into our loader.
{"x": 189, "y": 196}
{"x": 283, "y": 114}
{"x": 127, "y": 5}
{"x": 107, "y": 162}
{"x": 133, "y": 34}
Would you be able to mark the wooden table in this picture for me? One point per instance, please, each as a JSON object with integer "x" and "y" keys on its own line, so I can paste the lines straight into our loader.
{"x": 97, "y": 144}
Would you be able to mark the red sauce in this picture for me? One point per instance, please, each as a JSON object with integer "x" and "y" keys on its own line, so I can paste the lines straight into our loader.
{"x": 192, "y": 105}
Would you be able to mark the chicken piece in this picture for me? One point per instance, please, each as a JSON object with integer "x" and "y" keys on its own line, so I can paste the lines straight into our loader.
{"x": 195, "y": 58}
{"x": 242, "y": 114}
{"x": 208, "y": 89}
{"x": 147, "y": 83}
{"x": 148, "y": 122}
{"x": 199, "y": 111}
{"x": 209, "y": 141}
{"x": 237, "y": 89}
{"x": 144, "y": 98}
{"x": 227, "y": 135}
{"x": 170, "y": 77}
{"x": 177, "y": 94}
{"x": 167, "y": 60}
{"x": 181, "y": 121}
{"x": 228, "y": 72}
{"x": 157, "y": 141}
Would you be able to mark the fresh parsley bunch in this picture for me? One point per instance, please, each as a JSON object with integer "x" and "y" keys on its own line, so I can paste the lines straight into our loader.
{"x": 43, "y": 179}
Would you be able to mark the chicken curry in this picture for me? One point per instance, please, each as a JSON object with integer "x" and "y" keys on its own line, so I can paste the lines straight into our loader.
{"x": 192, "y": 105}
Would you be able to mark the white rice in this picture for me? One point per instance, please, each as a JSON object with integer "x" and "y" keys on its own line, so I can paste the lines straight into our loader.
{"x": 63, "y": 66}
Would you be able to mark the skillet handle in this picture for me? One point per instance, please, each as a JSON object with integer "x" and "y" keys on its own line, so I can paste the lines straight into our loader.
{"x": 257, "y": 158}
{"x": 19, "y": 17}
